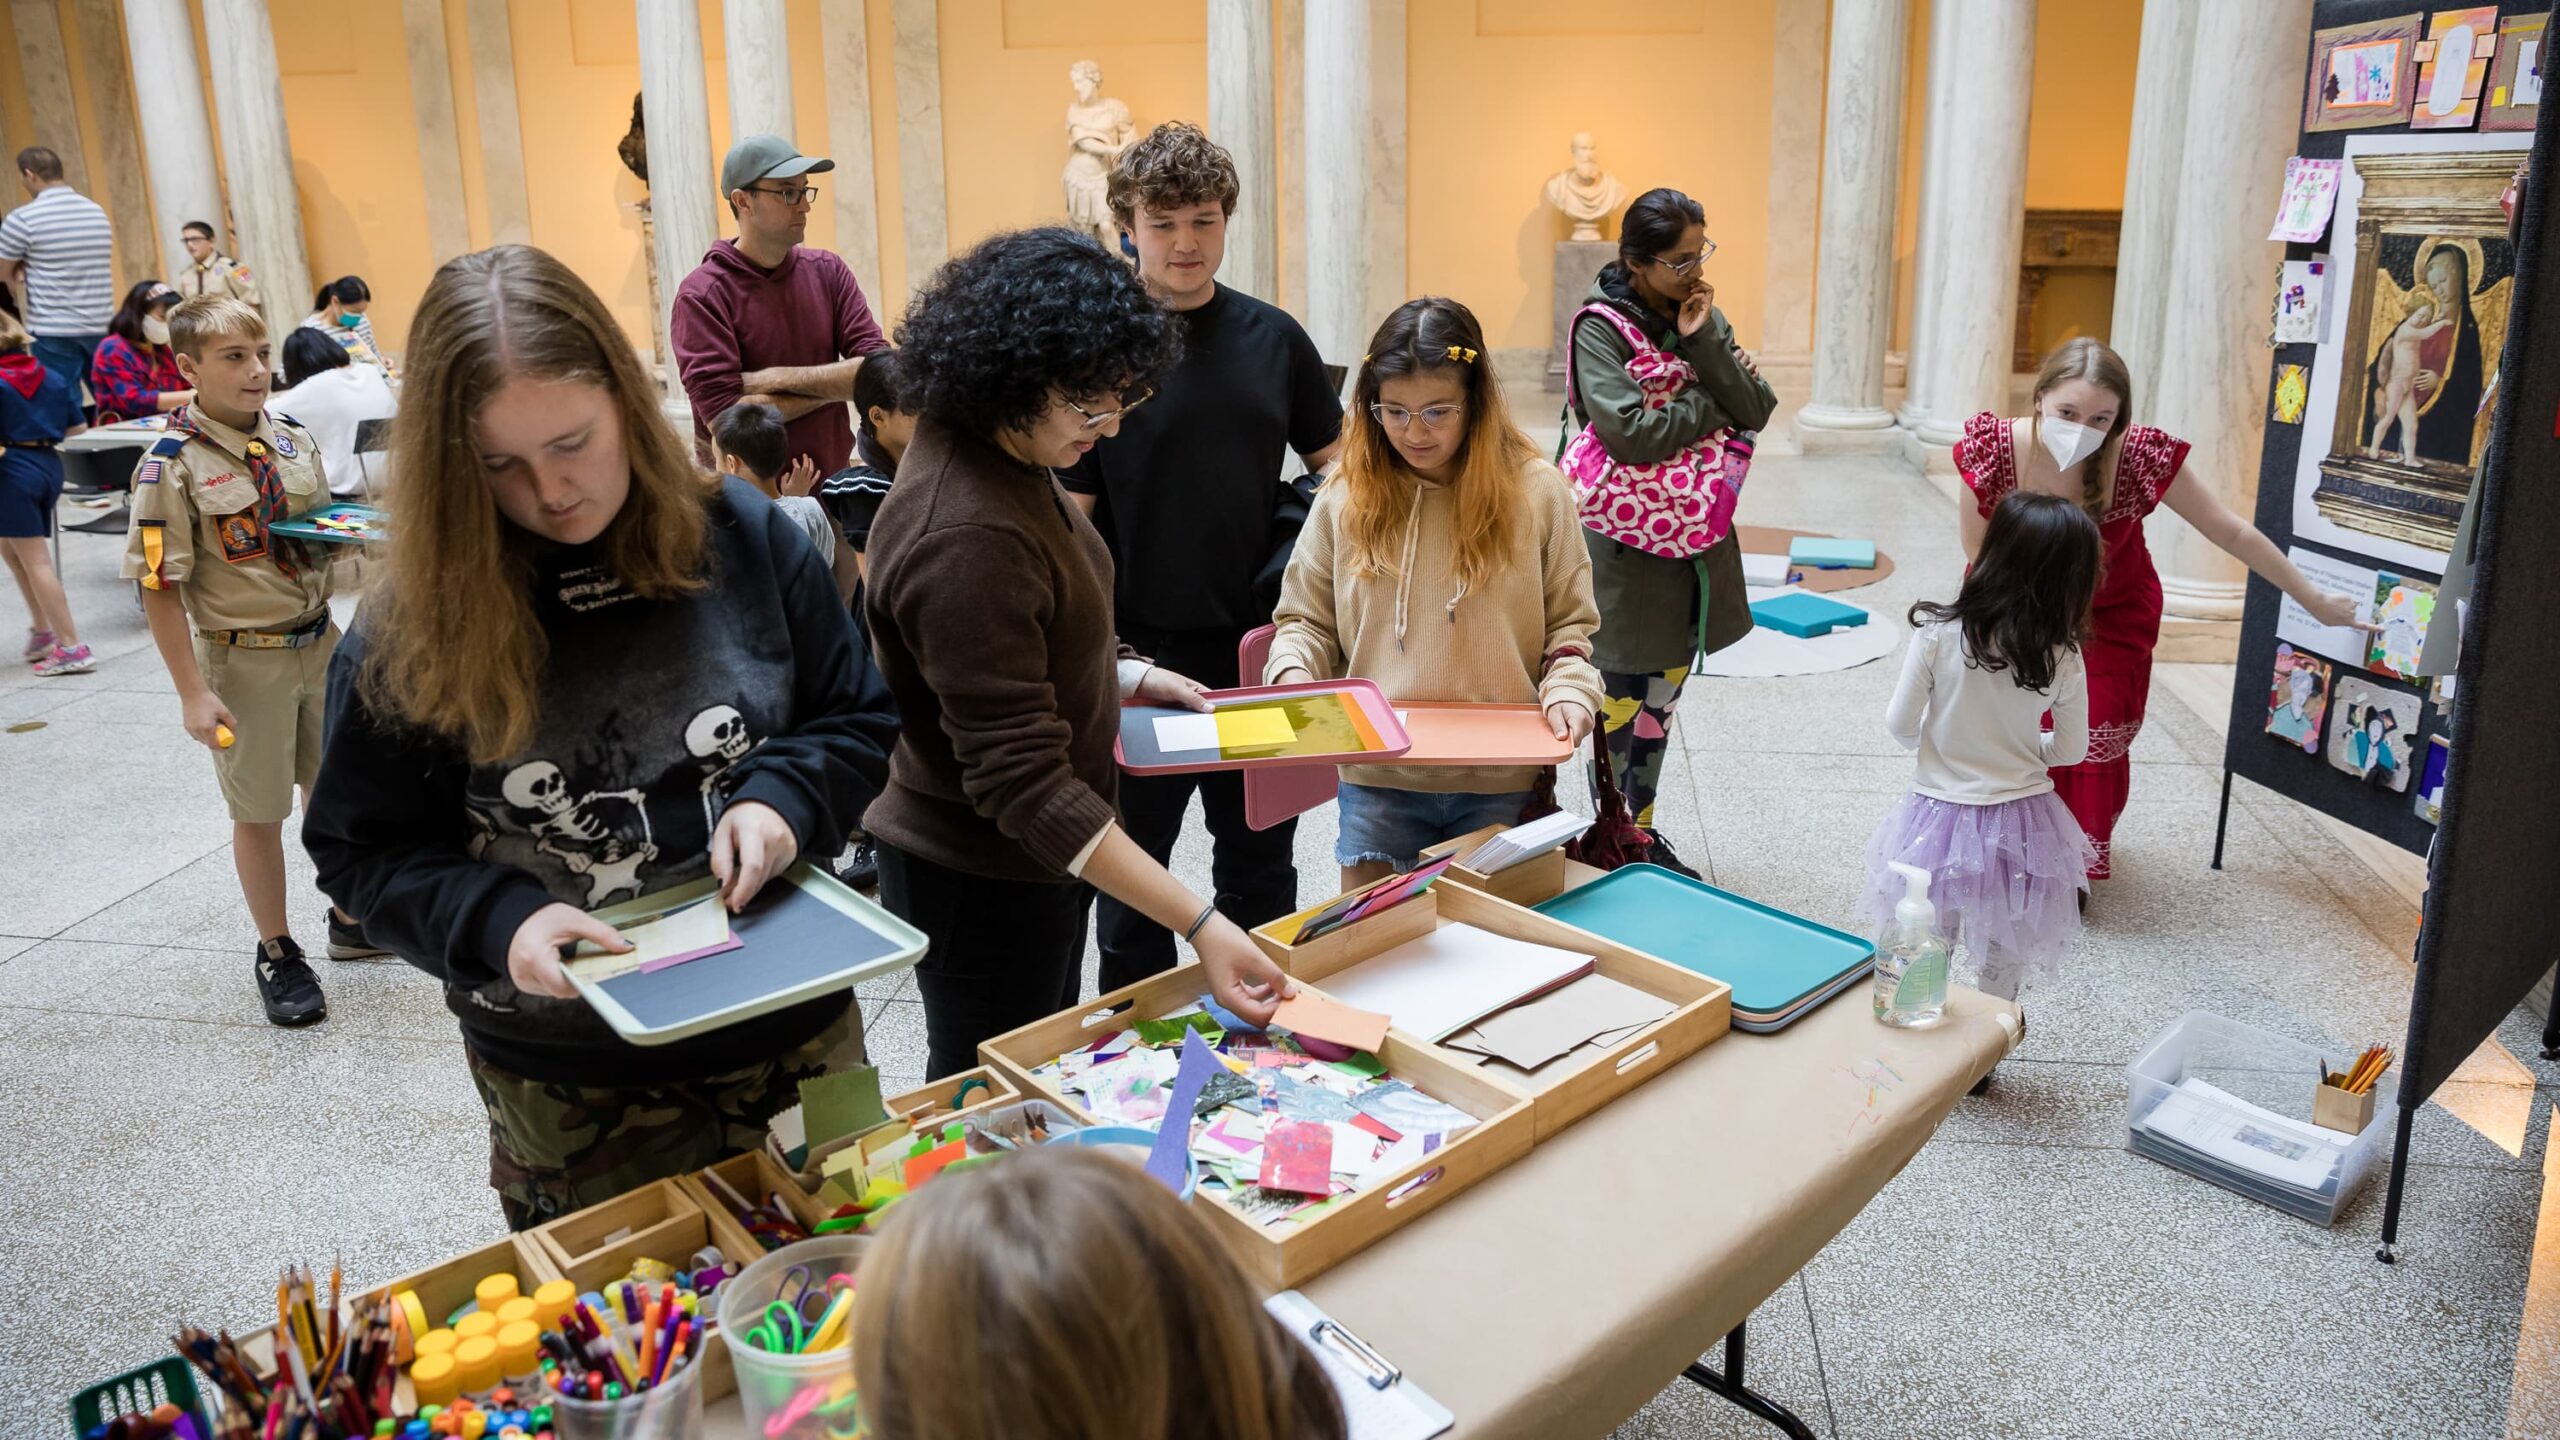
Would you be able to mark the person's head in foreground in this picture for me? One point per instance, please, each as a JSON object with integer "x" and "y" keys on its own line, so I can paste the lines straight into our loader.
{"x": 2027, "y": 597}
{"x": 1061, "y": 1294}
{"x": 752, "y": 443}
{"x": 307, "y": 352}
{"x": 1425, "y": 407}
{"x": 526, "y": 426}
{"x": 1172, "y": 194}
{"x": 222, "y": 348}
{"x": 1036, "y": 342}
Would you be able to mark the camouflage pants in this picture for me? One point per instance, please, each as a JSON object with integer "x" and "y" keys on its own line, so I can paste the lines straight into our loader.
{"x": 557, "y": 1148}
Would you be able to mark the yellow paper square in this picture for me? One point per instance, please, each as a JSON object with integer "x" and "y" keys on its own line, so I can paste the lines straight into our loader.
{"x": 1254, "y": 728}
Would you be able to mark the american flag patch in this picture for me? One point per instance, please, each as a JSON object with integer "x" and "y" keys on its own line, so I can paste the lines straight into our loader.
{"x": 149, "y": 474}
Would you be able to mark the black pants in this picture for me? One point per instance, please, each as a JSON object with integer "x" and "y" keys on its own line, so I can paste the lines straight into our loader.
{"x": 1002, "y": 954}
{"x": 1254, "y": 872}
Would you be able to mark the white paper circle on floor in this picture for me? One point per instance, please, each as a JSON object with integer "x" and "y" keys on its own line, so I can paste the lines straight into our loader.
{"x": 1766, "y": 652}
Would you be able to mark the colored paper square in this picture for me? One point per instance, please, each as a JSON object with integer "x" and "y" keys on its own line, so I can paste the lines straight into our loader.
{"x": 1297, "y": 1156}
{"x": 1254, "y": 727}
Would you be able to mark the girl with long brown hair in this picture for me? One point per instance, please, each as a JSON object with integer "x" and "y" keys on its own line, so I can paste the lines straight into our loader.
{"x": 2080, "y": 442}
{"x": 1065, "y": 1295}
{"x": 590, "y": 672}
{"x": 1444, "y": 561}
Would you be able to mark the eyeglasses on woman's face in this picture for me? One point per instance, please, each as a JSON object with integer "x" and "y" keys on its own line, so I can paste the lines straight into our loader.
{"x": 1093, "y": 421}
{"x": 1684, "y": 268}
{"x": 1433, "y": 417}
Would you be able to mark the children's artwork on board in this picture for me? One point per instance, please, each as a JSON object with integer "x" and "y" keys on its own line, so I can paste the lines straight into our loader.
{"x": 2371, "y": 732}
{"x": 2515, "y": 74}
{"x": 2430, "y": 801}
{"x": 2293, "y": 391}
{"x": 2453, "y": 63}
{"x": 2310, "y": 193}
{"x": 2302, "y": 298}
{"x": 2360, "y": 74}
{"x": 2402, "y": 607}
{"x": 2299, "y": 698}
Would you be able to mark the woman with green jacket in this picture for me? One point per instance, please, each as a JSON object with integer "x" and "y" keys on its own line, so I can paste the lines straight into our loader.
{"x": 1659, "y": 615}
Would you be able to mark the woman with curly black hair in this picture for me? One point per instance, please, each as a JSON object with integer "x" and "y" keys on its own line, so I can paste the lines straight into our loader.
{"x": 990, "y": 609}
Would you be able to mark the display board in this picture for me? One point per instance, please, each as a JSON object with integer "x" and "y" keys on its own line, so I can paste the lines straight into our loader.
{"x": 2390, "y": 323}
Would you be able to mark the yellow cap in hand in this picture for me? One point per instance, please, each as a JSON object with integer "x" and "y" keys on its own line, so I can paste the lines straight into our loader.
{"x": 222, "y": 736}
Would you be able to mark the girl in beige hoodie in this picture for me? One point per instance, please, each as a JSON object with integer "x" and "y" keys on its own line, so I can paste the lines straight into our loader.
{"x": 1444, "y": 561}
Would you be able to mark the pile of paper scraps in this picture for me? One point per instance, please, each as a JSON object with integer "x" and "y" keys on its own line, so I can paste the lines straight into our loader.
{"x": 1279, "y": 1133}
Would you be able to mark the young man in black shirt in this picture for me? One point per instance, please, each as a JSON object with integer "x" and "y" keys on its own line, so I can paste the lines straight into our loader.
{"x": 1186, "y": 494}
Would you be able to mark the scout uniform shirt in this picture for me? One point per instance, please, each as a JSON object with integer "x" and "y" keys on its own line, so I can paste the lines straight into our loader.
{"x": 220, "y": 275}
{"x": 202, "y": 501}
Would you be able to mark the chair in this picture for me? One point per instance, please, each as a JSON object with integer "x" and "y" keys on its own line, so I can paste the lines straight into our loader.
{"x": 373, "y": 437}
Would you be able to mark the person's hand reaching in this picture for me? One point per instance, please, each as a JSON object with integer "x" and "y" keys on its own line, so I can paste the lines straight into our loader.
{"x": 533, "y": 956}
{"x": 1241, "y": 977}
{"x": 1164, "y": 687}
{"x": 800, "y": 479}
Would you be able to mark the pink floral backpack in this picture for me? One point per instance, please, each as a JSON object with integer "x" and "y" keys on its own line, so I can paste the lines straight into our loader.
{"x": 1677, "y": 507}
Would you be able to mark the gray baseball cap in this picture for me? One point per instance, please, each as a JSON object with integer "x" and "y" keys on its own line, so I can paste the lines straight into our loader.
{"x": 766, "y": 157}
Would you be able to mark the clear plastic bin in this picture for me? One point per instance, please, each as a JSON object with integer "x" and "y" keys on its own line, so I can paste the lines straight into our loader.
{"x": 671, "y": 1411}
{"x": 1024, "y": 1126}
{"x": 783, "y": 1392}
{"x": 2286, "y": 1162}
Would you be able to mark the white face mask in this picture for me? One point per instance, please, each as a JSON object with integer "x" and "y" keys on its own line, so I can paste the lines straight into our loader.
{"x": 2067, "y": 443}
{"x": 155, "y": 329}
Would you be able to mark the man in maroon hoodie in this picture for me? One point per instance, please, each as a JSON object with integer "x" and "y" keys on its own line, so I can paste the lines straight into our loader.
{"x": 766, "y": 318}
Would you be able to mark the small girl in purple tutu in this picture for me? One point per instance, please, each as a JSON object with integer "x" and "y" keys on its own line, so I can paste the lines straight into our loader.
{"x": 2008, "y": 863}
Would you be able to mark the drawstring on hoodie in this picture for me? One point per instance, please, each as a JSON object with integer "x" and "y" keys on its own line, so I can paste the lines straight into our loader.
{"x": 1404, "y": 575}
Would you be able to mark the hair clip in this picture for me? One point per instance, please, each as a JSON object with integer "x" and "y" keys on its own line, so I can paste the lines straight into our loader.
{"x": 1462, "y": 353}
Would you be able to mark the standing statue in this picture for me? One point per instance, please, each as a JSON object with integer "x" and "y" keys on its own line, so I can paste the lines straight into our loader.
{"x": 1583, "y": 191}
{"x": 1097, "y": 131}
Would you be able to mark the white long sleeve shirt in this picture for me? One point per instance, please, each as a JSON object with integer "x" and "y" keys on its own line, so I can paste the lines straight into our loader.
{"x": 1980, "y": 735}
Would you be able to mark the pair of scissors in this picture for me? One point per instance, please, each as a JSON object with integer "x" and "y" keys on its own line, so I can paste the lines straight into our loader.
{"x": 780, "y": 1329}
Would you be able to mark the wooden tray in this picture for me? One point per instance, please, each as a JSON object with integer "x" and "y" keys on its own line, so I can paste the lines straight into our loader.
{"x": 1532, "y": 880}
{"x": 1289, "y": 1257}
{"x": 927, "y": 1107}
{"x": 757, "y": 1176}
{"x": 1567, "y": 1088}
{"x": 659, "y": 1221}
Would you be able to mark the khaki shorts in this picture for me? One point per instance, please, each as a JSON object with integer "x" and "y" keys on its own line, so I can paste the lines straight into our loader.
{"x": 275, "y": 699}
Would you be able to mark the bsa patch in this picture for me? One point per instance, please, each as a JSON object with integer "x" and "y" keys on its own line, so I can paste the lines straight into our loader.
{"x": 284, "y": 445}
{"x": 243, "y": 537}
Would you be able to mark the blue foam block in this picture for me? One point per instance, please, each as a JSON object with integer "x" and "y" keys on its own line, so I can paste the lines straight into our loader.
{"x": 1826, "y": 553}
{"x": 1805, "y": 616}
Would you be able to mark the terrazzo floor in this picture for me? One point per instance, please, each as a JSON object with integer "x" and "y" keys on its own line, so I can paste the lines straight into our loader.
{"x": 2023, "y": 1277}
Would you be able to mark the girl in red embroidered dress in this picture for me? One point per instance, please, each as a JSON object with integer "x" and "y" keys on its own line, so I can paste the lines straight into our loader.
{"x": 2080, "y": 442}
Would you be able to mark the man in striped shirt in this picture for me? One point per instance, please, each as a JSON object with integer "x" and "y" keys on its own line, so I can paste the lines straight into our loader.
{"x": 60, "y": 245}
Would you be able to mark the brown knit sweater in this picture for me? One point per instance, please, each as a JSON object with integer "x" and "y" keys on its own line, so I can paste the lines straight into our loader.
{"x": 990, "y": 610}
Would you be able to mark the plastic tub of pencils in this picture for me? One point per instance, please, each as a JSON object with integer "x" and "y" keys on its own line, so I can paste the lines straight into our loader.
{"x": 789, "y": 1321}
{"x": 634, "y": 1381}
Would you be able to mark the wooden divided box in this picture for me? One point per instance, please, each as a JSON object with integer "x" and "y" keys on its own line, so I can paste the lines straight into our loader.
{"x": 757, "y": 1178}
{"x": 1540, "y": 877}
{"x": 659, "y": 1221}
{"x": 1289, "y": 1255}
{"x": 1571, "y": 1086}
{"x": 929, "y": 1107}
{"x": 448, "y": 1285}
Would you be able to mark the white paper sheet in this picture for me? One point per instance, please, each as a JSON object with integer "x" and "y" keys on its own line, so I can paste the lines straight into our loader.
{"x": 1451, "y": 977}
{"x": 2528, "y": 82}
{"x": 1181, "y": 733}
{"x": 2295, "y": 625}
{"x": 1769, "y": 570}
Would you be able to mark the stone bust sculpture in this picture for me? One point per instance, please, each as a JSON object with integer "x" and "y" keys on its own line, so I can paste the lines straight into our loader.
{"x": 1583, "y": 191}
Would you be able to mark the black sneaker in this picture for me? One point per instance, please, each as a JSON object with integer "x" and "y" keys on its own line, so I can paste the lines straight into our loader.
{"x": 862, "y": 872}
{"x": 1658, "y": 851}
{"x": 347, "y": 940}
{"x": 286, "y": 985}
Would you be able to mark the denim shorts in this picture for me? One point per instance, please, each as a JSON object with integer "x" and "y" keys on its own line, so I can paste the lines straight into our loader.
{"x": 1396, "y": 825}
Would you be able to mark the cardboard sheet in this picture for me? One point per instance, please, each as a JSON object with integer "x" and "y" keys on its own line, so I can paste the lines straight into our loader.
{"x": 1530, "y": 1034}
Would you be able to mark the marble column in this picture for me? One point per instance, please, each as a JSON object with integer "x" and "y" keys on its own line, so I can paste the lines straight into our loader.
{"x": 759, "y": 37}
{"x": 1969, "y": 280}
{"x": 177, "y": 128}
{"x": 1945, "y": 77}
{"x": 257, "y": 156}
{"x": 1795, "y": 180}
{"x": 1853, "y": 278}
{"x": 439, "y": 136}
{"x": 844, "y": 32}
{"x": 683, "y": 191}
{"x": 1240, "y": 120}
{"x": 1339, "y": 183}
{"x": 46, "y": 68}
{"x": 1289, "y": 94}
{"x": 493, "y": 101}
{"x": 2146, "y": 245}
{"x": 922, "y": 195}
{"x": 2214, "y": 319}
{"x": 122, "y": 189}
{"x": 1386, "y": 163}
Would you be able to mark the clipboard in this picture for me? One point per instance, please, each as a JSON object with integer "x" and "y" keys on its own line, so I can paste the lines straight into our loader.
{"x": 1379, "y": 1402}
{"x": 1357, "y": 726}
{"x": 804, "y": 935}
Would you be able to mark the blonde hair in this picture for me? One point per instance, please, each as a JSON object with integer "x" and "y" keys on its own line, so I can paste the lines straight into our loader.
{"x": 13, "y": 336}
{"x": 2083, "y": 358}
{"x": 1423, "y": 336}
{"x": 1064, "y": 1295}
{"x": 199, "y": 322}
{"x": 452, "y": 642}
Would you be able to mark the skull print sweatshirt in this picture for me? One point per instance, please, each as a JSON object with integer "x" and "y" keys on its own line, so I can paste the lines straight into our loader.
{"x": 655, "y": 716}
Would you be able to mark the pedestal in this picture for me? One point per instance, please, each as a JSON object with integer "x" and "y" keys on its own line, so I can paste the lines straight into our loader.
{"x": 1578, "y": 263}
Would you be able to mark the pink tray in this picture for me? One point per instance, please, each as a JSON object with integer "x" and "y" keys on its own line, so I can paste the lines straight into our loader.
{"x": 1363, "y": 693}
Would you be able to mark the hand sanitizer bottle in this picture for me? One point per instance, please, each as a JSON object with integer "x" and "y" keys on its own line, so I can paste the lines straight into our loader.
{"x": 1911, "y": 966}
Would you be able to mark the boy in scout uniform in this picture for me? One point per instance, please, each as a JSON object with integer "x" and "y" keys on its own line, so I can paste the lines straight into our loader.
{"x": 212, "y": 273}
{"x": 252, "y": 675}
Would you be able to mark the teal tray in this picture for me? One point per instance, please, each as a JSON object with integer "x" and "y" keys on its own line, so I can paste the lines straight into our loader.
{"x": 1779, "y": 965}
{"x": 300, "y": 527}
